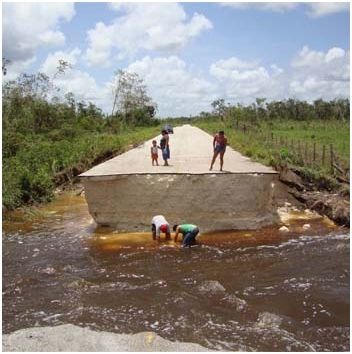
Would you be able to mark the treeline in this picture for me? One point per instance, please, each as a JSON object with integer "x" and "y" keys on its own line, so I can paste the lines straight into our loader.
{"x": 46, "y": 133}
{"x": 290, "y": 109}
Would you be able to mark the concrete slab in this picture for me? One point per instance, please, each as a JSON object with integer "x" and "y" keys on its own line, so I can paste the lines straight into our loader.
{"x": 70, "y": 338}
{"x": 191, "y": 152}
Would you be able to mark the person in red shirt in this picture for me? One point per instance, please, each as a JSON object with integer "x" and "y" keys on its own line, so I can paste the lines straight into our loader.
{"x": 219, "y": 144}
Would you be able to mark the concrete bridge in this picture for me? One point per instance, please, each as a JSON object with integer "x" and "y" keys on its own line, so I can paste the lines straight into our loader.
{"x": 126, "y": 191}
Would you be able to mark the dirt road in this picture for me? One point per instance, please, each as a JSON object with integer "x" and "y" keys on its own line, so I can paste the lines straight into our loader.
{"x": 191, "y": 153}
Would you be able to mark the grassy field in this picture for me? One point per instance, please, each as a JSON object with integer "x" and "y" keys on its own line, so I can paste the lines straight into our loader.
{"x": 30, "y": 176}
{"x": 278, "y": 142}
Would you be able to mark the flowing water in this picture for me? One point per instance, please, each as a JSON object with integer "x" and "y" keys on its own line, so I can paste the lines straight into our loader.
{"x": 259, "y": 290}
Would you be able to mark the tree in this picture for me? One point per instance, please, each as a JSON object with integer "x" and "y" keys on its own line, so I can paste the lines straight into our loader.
{"x": 219, "y": 107}
{"x": 4, "y": 65}
{"x": 130, "y": 96}
{"x": 62, "y": 67}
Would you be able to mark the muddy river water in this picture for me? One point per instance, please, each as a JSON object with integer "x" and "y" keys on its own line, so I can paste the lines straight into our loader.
{"x": 262, "y": 290}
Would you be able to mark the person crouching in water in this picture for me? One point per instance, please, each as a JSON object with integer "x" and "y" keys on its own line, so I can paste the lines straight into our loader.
{"x": 189, "y": 232}
{"x": 154, "y": 153}
{"x": 159, "y": 224}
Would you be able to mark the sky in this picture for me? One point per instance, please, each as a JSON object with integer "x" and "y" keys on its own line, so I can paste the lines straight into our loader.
{"x": 188, "y": 54}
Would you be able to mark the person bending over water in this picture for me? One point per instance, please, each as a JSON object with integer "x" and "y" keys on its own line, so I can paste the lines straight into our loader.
{"x": 219, "y": 144}
{"x": 159, "y": 224}
{"x": 189, "y": 232}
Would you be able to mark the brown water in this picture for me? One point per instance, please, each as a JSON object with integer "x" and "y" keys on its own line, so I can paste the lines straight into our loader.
{"x": 237, "y": 291}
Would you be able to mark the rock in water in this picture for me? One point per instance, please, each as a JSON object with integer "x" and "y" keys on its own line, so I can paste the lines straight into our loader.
{"x": 240, "y": 304}
{"x": 306, "y": 227}
{"x": 268, "y": 320}
{"x": 211, "y": 287}
{"x": 69, "y": 338}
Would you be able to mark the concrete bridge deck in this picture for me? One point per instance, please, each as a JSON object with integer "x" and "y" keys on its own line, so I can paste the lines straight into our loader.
{"x": 127, "y": 191}
{"x": 191, "y": 153}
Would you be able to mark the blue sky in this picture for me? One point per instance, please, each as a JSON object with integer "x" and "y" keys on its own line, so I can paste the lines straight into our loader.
{"x": 188, "y": 53}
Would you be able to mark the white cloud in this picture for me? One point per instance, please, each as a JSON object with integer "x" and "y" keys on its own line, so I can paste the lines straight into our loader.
{"x": 80, "y": 83}
{"x": 49, "y": 67}
{"x": 241, "y": 81}
{"x": 315, "y": 9}
{"x": 14, "y": 69}
{"x": 313, "y": 75}
{"x": 27, "y": 26}
{"x": 176, "y": 89}
{"x": 152, "y": 26}
{"x": 52, "y": 37}
{"x": 264, "y": 6}
{"x": 319, "y": 9}
{"x": 319, "y": 74}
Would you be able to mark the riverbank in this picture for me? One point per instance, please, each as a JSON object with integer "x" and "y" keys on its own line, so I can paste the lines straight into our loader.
{"x": 334, "y": 204}
{"x": 41, "y": 165}
{"x": 70, "y": 338}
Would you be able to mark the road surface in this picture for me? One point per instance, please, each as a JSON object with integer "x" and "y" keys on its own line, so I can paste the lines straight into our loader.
{"x": 191, "y": 152}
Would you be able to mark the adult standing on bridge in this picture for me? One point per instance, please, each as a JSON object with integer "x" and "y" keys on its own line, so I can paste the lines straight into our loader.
{"x": 219, "y": 145}
{"x": 159, "y": 224}
{"x": 164, "y": 146}
{"x": 189, "y": 232}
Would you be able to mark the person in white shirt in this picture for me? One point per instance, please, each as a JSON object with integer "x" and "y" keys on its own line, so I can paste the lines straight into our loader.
{"x": 159, "y": 224}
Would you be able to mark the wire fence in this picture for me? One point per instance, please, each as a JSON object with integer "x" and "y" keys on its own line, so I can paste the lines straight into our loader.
{"x": 310, "y": 154}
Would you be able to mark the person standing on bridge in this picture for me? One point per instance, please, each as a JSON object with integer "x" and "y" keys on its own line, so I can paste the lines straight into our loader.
{"x": 164, "y": 146}
{"x": 154, "y": 153}
{"x": 159, "y": 224}
{"x": 189, "y": 232}
{"x": 219, "y": 145}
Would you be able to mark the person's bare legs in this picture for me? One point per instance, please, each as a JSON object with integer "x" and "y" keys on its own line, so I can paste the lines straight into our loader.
{"x": 221, "y": 159}
{"x": 213, "y": 160}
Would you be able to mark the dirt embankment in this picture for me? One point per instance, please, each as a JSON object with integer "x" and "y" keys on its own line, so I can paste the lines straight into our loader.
{"x": 334, "y": 203}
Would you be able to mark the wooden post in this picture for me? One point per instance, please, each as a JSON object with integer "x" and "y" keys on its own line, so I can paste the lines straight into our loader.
{"x": 323, "y": 157}
{"x": 299, "y": 147}
{"x": 272, "y": 136}
{"x": 331, "y": 159}
{"x": 314, "y": 151}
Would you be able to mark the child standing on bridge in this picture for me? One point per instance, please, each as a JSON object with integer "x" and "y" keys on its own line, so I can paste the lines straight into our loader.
{"x": 154, "y": 153}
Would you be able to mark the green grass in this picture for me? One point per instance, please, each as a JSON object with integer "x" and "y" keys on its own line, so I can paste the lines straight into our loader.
{"x": 29, "y": 176}
{"x": 257, "y": 143}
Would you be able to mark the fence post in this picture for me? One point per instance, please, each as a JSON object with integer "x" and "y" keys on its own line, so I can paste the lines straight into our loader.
{"x": 331, "y": 159}
{"x": 299, "y": 148}
{"x": 323, "y": 157}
